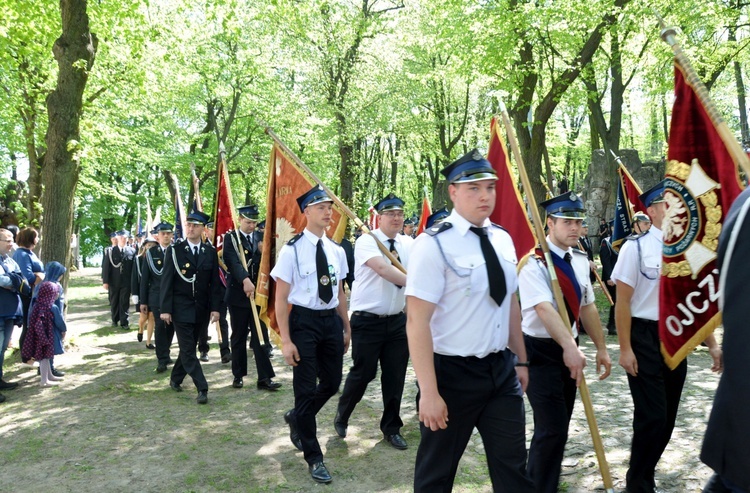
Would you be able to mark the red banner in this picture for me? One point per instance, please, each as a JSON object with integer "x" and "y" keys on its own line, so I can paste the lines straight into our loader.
{"x": 510, "y": 209}
{"x": 426, "y": 211}
{"x": 286, "y": 182}
{"x": 701, "y": 184}
{"x": 225, "y": 215}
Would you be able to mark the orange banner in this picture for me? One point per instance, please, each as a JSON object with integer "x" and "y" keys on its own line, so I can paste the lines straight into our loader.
{"x": 286, "y": 182}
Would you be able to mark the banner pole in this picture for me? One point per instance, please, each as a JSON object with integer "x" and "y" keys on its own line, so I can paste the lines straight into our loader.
{"x": 559, "y": 300}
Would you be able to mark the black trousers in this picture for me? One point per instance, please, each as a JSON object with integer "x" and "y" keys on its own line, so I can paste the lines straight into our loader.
{"x": 319, "y": 338}
{"x": 377, "y": 340}
{"x": 242, "y": 325}
{"x": 113, "y": 295}
{"x": 613, "y": 293}
{"x": 187, "y": 361}
{"x": 163, "y": 335}
{"x": 224, "y": 329}
{"x": 656, "y": 395}
{"x": 119, "y": 302}
{"x": 718, "y": 484}
{"x": 482, "y": 393}
{"x": 552, "y": 394}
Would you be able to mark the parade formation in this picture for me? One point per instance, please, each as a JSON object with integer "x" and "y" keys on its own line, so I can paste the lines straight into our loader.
{"x": 486, "y": 325}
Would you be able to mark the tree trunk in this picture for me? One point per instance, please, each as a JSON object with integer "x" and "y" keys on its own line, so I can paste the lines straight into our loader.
{"x": 75, "y": 52}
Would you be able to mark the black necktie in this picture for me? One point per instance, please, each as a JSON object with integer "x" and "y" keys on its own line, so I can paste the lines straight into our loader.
{"x": 495, "y": 274}
{"x": 249, "y": 242}
{"x": 393, "y": 250}
{"x": 325, "y": 290}
{"x": 567, "y": 257}
{"x": 195, "y": 251}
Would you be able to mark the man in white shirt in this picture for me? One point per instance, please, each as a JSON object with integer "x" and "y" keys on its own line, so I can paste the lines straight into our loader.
{"x": 556, "y": 362}
{"x": 655, "y": 388}
{"x": 315, "y": 332}
{"x": 378, "y": 322}
{"x": 463, "y": 320}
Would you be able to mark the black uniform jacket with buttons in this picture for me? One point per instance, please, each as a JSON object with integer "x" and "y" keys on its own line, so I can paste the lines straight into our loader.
{"x": 235, "y": 295}
{"x": 187, "y": 301}
{"x": 151, "y": 278}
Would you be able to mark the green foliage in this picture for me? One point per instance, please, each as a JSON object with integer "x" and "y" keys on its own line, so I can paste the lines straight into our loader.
{"x": 409, "y": 85}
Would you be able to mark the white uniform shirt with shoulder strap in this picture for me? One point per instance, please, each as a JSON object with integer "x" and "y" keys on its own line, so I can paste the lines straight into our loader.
{"x": 370, "y": 292}
{"x": 534, "y": 287}
{"x": 639, "y": 266}
{"x": 448, "y": 269}
{"x": 296, "y": 266}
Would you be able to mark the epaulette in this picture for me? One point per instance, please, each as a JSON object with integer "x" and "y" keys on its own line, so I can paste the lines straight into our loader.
{"x": 579, "y": 251}
{"x": 444, "y": 226}
{"x": 498, "y": 226}
{"x": 525, "y": 259}
{"x": 294, "y": 239}
{"x": 178, "y": 241}
{"x": 334, "y": 242}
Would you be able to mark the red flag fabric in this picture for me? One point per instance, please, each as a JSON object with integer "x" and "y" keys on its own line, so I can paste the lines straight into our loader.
{"x": 632, "y": 190}
{"x": 701, "y": 184}
{"x": 510, "y": 209}
{"x": 286, "y": 182}
{"x": 225, "y": 215}
{"x": 373, "y": 221}
{"x": 426, "y": 211}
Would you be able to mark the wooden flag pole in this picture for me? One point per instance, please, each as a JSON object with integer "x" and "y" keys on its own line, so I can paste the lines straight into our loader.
{"x": 559, "y": 300}
{"x": 734, "y": 148}
{"x": 336, "y": 200}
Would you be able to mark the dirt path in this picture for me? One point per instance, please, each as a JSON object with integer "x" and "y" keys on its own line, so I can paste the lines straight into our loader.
{"x": 114, "y": 425}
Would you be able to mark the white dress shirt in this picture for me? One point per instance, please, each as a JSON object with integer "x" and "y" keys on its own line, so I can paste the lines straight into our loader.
{"x": 296, "y": 266}
{"x": 641, "y": 271}
{"x": 370, "y": 292}
{"x": 449, "y": 270}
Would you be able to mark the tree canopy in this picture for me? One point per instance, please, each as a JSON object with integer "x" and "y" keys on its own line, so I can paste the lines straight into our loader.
{"x": 375, "y": 96}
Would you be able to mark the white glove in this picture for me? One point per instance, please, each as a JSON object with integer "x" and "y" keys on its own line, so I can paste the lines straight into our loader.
{"x": 134, "y": 299}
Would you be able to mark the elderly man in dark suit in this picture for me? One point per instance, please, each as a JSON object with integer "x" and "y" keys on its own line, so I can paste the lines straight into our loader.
{"x": 117, "y": 271}
{"x": 190, "y": 298}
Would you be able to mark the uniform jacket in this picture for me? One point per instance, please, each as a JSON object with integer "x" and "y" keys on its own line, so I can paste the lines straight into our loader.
{"x": 725, "y": 447}
{"x": 189, "y": 302}
{"x": 120, "y": 276}
{"x": 235, "y": 295}
{"x": 151, "y": 269}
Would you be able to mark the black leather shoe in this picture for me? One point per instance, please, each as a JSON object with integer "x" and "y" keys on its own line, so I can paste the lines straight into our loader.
{"x": 125, "y": 327}
{"x": 268, "y": 384}
{"x": 339, "y": 425}
{"x": 319, "y": 473}
{"x": 237, "y": 383}
{"x": 204, "y": 356}
{"x": 57, "y": 372}
{"x": 140, "y": 336}
{"x": 202, "y": 397}
{"x": 161, "y": 368}
{"x": 175, "y": 386}
{"x": 293, "y": 433}
{"x": 226, "y": 359}
{"x": 396, "y": 441}
{"x": 7, "y": 385}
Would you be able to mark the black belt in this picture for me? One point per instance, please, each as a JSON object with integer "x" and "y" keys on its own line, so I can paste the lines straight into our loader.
{"x": 375, "y": 315}
{"x": 546, "y": 340}
{"x": 644, "y": 321}
{"x": 314, "y": 313}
